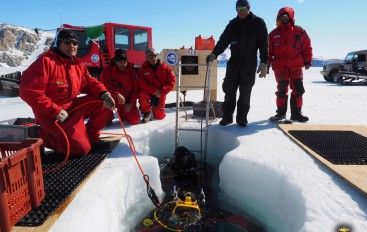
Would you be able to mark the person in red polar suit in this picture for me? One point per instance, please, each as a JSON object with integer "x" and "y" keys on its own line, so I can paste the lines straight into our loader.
{"x": 121, "y": 81}
{"x": 156, "y": 80}
{"x": 289, "y": 51}
{"x": 52, "y": 87}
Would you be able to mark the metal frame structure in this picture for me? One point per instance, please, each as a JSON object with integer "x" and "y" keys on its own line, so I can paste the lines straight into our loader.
{"x": 203, "y": 129}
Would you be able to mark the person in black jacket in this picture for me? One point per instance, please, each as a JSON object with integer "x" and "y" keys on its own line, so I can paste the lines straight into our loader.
{"x": 246, "y": 34}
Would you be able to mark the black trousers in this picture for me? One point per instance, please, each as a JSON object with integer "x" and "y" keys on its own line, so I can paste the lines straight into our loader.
{"x": 242, "y": 78}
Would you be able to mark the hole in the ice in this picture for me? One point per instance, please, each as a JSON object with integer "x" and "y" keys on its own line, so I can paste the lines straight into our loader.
{"x": 258, "y": 191}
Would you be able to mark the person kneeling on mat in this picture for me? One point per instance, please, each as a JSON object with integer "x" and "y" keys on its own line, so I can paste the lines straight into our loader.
{"x": 120, "y": 79}
{"x": 156, "y": 79}
{"x": 51, "y": 87}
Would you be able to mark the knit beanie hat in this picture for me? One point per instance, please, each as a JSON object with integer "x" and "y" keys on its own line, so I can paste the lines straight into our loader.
{"x": 243, "y": 3}
{"x": 66, "y": 34}
{"x": 120, "y": 55}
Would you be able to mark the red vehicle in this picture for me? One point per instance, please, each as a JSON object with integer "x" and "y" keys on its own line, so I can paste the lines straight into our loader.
{"x": 97, "y": 44}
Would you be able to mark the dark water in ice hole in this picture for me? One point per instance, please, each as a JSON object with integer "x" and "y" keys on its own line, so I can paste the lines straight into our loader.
{"x": 218, "y": 214}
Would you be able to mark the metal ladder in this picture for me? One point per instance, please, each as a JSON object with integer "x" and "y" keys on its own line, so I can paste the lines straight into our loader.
{"x": 203, "y": 128}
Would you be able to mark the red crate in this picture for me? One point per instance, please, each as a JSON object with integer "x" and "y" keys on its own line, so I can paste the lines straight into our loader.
{"x": 204, "y": 43}
{"x": 21, "y": 180}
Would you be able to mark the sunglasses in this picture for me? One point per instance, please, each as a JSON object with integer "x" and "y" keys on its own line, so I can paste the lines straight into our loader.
{"x": 240, "y": 9}
{"x": 284, "y": 16}
{"x": 152, "y": 56}
{"x": 68, "y": 42}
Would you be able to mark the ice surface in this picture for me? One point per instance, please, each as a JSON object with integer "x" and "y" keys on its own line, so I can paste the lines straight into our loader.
{"x": 261, "y": 170}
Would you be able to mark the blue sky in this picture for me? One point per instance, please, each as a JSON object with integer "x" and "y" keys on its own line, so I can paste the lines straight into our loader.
{"x": 335, "y": 26}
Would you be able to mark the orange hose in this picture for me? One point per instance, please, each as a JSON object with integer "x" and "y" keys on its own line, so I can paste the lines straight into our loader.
{"x": 66, "y": 139}
{"x": 150, "y": 190}
{"x": 67, "y": 152}
{"x": 131, "y": 145}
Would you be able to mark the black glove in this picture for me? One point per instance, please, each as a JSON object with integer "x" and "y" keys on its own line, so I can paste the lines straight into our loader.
{"x": 210, "y": 57}
{"x": 108, "y": 100}
{"x": 307, "y": 65}
{"x": 154, "y": 101}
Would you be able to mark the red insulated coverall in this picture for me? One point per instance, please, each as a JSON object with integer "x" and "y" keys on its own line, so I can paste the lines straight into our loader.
{"x": 151, "y": 81}
{"x": 289, "y": 50}
{"x": 53, "y": 83}
{"x": 125, "y": 83}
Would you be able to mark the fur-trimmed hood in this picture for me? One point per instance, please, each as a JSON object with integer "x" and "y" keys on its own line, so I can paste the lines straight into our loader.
{"x": 289, "y": 11}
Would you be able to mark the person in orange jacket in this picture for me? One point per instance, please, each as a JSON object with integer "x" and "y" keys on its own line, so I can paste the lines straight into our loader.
{"x": 289, "y": 51}
{"x": 121, "y": 81}
{"x": 52, "y": 86}
{"x": 156, "y": 80}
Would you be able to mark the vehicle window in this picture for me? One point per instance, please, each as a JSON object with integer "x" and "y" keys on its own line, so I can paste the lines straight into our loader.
{"x": 102, "y": 43}
{"x": 361, "y": 58}
{"x": 348, "y": 58}
{"x": 122, "y": 38}
{"x": 84, "y": 44}
{"x": 140, "y": 39}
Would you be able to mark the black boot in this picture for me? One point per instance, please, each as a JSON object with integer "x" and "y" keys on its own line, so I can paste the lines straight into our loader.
{"x": 296, "y": 112}
{"x": 226, "y": 120}
{"x": 108, "y": 123}
{"x": 281, "y": 112}
{"x": 241, "y": 120}
{"x": 242, "y": 124}
{"x": 277, "y": 117}
{"x": 146, "y": 118}
{"x": 299, "y": 117}
{"x": 100, "y": 145}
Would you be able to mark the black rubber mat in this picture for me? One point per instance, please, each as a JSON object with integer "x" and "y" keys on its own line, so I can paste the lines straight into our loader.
{"x": 60, "y": 184}
{"x": 338, "y": 147}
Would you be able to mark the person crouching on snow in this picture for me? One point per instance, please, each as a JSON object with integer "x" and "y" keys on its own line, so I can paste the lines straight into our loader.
{"x": 121, "y": 80}
{"x": 52, "y": 86}
{"x": 156, "y": 80}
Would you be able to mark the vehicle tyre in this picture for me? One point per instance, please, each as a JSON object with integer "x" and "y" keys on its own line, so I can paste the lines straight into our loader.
{"x": 334, "y": 76}
{"x": 14, "y": 91}
{"x": 339, "y": 80}
{"x": 328, "y": 79}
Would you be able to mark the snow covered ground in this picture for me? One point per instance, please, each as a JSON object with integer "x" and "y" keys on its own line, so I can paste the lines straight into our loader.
{"x": 261, "y": 170}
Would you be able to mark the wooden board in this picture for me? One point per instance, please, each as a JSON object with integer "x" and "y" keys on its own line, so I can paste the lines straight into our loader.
{"x": 193, "y": 79}
{"x": 354, "y": 174}
{"x": 53, "y": 218}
